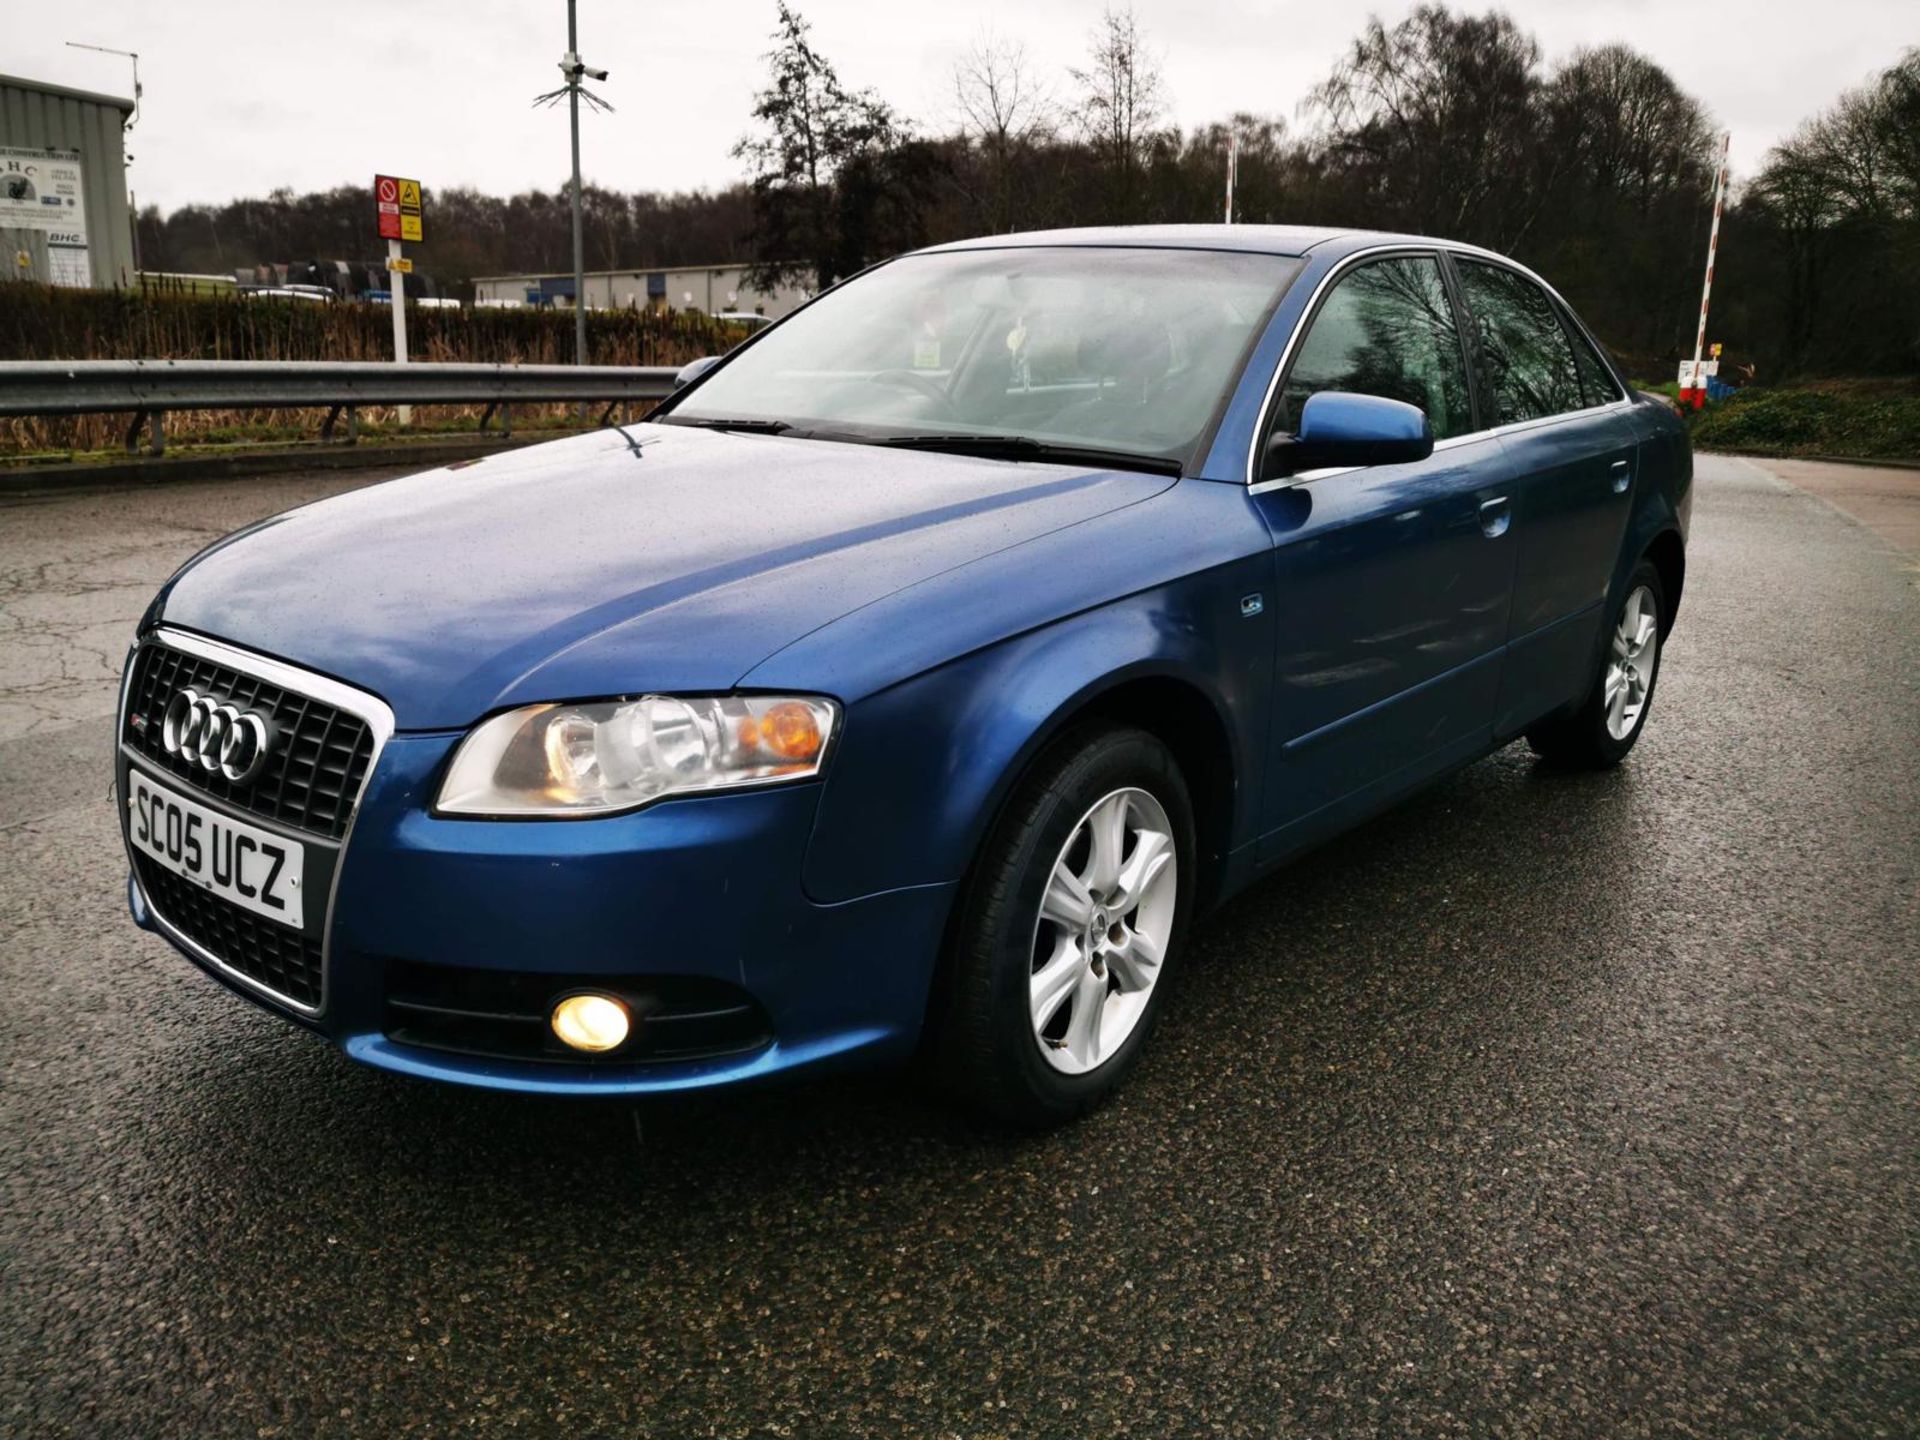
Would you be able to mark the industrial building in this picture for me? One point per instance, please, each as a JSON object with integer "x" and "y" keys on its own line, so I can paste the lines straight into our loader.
{"x": 714, "y": 289}
{"x": 63, "y": 186}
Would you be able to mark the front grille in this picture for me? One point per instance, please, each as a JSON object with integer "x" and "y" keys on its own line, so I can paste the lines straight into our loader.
{"x": 503, "y": 1014}
{"x": 283, "y": 960}
{"x": 320, "y": 752}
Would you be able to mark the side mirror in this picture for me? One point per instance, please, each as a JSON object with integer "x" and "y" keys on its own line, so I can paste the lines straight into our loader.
{"x": 1342, "y": 429}
{"x": 693, "y": 370}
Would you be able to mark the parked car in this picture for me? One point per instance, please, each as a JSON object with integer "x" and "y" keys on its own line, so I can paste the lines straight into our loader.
{"x": 313, "y": 294}
{"x": 915, "y": 677}
{"x": 748, "y": 320}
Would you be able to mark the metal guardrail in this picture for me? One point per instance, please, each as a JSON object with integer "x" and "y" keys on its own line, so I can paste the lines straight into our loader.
{"x": 149, "y": 388}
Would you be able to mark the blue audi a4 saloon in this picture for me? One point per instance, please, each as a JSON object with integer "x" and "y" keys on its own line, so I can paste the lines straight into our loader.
{"x": 909, "y": 683}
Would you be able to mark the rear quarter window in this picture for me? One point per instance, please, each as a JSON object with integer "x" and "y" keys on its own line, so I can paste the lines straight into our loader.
{"x": 1597, "y": 383}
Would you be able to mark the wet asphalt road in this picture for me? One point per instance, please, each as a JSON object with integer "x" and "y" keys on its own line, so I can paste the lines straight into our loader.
{"x": 1545, "y": 1105}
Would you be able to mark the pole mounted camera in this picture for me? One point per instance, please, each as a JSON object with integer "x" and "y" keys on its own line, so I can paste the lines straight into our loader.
{"x": 573, "y": 68}
{"x": 574, "y": 71}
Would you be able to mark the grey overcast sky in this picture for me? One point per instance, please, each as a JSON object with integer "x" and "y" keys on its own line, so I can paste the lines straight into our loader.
{"x": 246, "y": 95}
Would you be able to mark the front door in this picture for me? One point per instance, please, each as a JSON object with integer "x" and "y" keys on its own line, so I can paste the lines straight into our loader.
{"x": 1392, "y": 583}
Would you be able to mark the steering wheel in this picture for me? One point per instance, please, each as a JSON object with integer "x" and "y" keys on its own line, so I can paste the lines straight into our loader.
{"x": 912, "y": 380}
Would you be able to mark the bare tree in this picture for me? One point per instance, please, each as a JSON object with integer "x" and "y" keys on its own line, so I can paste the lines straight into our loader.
{"x": 1626, "y": 130}
{"x": 1866, "y": 145}
{"x": 1004, "y": 109}
{"x": 1899, "y": 107}
{"x": 1433, "y": 122}
{"x": 1628, "y": 175}
{"x": 1001, "y": 102}
{"x": 1121, "y": 103}
{"x": 1843, "y": 197}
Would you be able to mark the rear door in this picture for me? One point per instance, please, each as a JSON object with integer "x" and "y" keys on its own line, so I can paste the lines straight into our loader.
{"x": 1557, "y": 408}
{"x": 1391, "y": 581}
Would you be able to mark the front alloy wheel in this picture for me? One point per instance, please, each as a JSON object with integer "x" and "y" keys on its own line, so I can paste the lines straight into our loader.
{"x": 1103, "y": 930}
{"x": 1067, "y": 929}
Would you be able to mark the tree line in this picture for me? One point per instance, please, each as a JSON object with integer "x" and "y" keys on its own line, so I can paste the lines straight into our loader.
{"x": 1596, "y": 169}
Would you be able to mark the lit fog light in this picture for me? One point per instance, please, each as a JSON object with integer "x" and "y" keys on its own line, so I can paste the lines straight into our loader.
{"x": 591, "y": 1022}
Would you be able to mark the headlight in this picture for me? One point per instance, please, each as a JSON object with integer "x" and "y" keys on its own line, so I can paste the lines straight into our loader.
{"x": 596, "y": 759}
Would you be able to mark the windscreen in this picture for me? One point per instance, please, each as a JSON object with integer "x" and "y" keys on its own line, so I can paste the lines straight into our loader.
{"x": 1125, "y": 350}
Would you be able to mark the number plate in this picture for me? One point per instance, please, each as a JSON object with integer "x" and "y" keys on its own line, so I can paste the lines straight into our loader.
{"x": 253, "y": 868}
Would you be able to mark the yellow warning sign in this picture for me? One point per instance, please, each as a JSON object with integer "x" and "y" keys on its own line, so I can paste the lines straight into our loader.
{"x": 400, "y": 263}
{"x": 409, "y": 194}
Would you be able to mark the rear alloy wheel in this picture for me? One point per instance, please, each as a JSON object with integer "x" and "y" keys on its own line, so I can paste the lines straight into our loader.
{"x": 1067, "y": 929}
{"x": 1601, "y": 732}
{"x": 1632, "y": 658}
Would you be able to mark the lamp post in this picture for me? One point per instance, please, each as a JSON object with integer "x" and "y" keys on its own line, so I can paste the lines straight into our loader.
{"x": 1233, "y": 170}
{"x": 133, "y": 200}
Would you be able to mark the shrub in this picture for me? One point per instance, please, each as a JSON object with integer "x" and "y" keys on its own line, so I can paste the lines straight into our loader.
{"x": 1875, "y": 422}
{"x": 39, "y": 322}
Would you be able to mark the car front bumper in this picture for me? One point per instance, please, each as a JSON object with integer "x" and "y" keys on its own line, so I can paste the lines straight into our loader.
{"x": 696, "y": 892}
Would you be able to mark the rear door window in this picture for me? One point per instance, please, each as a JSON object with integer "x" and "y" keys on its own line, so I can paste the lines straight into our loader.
{"x": 1526, "y": 359}
{"x": 1385, "y": 329}
{"x": 1597, "y": 385}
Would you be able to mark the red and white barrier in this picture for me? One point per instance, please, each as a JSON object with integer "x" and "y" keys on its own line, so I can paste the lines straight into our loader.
{"x": 1693, "y": 376}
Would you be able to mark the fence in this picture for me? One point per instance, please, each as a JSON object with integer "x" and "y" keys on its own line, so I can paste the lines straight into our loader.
{"x": 43, "y": 323}
{"x": 150, "y": 390}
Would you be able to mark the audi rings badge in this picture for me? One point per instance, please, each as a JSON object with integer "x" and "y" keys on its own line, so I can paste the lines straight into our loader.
{"x": 216, "y": 735}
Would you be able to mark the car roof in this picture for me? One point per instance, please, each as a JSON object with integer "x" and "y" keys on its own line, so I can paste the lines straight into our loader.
{"x": 1291, "y": 240}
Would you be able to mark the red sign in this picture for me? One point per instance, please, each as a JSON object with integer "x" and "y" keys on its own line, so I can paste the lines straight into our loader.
{"x": 386, "y": 194}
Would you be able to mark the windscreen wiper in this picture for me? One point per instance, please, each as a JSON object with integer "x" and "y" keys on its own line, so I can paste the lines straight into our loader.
{"x": 746, "y": 427}
{"x": 1026, "y": 447}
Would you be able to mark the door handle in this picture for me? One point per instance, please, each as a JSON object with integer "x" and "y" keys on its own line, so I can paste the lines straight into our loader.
{"x": 1495, "y": 516}
{"x": 1622, "y": 477}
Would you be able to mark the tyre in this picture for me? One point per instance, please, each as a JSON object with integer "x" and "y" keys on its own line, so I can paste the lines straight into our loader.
{"x": 1069, "y": 926}
{"x": 1601, "y": 732}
